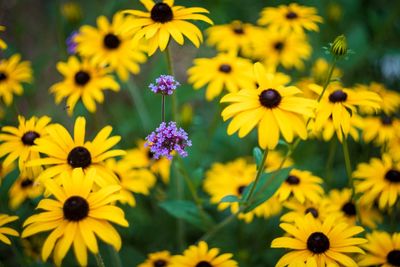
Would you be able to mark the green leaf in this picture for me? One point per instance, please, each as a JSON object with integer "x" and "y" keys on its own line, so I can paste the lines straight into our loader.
{"x": 230, "y": 198}
{"x": 258, "y": 155}
{"x": 268, "y": 184}
{"x": 188, "y": 211}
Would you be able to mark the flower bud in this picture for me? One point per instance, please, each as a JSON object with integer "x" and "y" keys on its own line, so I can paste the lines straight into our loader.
{"x": 339, "y": 46}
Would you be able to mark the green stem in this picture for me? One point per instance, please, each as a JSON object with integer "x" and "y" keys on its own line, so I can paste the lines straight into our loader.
{"x": 329, "y": 162}
{"x": 115, "y": 256}
{"x": 174, "y": 99}
{"x": 347, "y": 162}
{"x": 163, "y": 108}
{"x": 180, "y": 233}
{"x": 139, "y": 104}
{"x": 328, "y": 79}
{"x": 99, "y": 260}
{"x": 188, "y": 181}
{"x": 258, "y": 175}
{"x": 219, "y": 226}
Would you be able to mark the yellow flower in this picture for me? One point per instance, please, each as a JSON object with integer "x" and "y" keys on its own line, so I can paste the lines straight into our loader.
{"x": 132, "y": 179}
{"x": 4, "y": 219}
{"x": 65, "y": 154}
{"x": 163, "y": 20}
{"x": 157, "y": 259}
{"x": 291, "y": 18}
{"x": 340, "y": 104}
{"x": 302, "y": 186}
{"x": 13, "y": 72}
{"x": 24, "y": 187}
{"x": 76, "y": 216}
{"x": 381, "y": 130}
{"x": 319, "y": 71}
{"x": 298, "y": 210}
{"x": 72, "y": 11}
{"x": 390, "y": 99}
{"x": 225, "y": 71}
{"x": 112, "y": 44}
{"x": 275, "y": 48}
{"x": 379, "y": 181}
{"x": 316, "y": 243}
{"x": 382, "y": 249}
{"x": 18, "y": 143}
{"x": 5, "y": 170}
{"x": 82, "y": 80}
{"x": 273, "y": 106}
{"x": 202, "y": 256}
{"x": 274, "y": 160}
{"x": 3, "y": 44}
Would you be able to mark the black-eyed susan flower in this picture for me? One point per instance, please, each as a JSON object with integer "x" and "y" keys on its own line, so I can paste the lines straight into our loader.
{"x": 13, "y": 72}
{"x": 64, "y": 153}
{"x": 157, "y": 259}
{"x": 4, "y": 219}
{"x": 3, "y": 44}
{"x": 18, "y": 142}
{"x": 236, "y": 36}
{"x": 112, "y": 44}
{"x": 131, "y": 179}
{"x": 82, "y": 80}
{"x": 316, "y": 243}
{"x": 379, "y": 180}
{"x": 201, "y": 255}
{"x": 290, "y": 18}
{"x": 340, "y": 104}
{"x": 302, "y": 186}
{"x": 298, "y": 210}
{"x": 381, "y": 129}
{"x": 164, "y": 20}
{"x": 25, "y": 187}
{"x": 76, "y": 216}
{"x": 274, "y": 107}
{"x": 382, "y": 249}
{"x": 225, "y": 71}
{"x": 390, "y": 99}
{"x": 274, "y": 161}
{"x": 275, "y": 48}
{"x": 5, "y": 170}
{"x": 340, "y": 204}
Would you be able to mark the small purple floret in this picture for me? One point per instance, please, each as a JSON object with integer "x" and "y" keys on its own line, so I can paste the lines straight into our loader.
{"x": 71, "y": 44}
{"x": 166, "y": 139}
{"x": 165, "y": 84}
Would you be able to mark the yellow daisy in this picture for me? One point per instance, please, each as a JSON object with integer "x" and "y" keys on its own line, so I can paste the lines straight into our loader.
{"x": 24, "y": 187}
{"x": 340, "y": 104}
{"x": 316, "y": 243}
{"x": 3, "y": 44}
{"x": 297, "y": 209}
{"x": 290, "y": 18}
{"x": 131, "y": 179}
{"x": 390, "y": 99}
{"x": 274, "y": 160}
{"x": 382, "y": 249}
{"x": 273, "y": 106}
{"x": 302, "y": 186}
{"x": 163, "y": 20}
{"x": 112, "y": 44}
{"x": 225, "y": 71}
{"x": 82, "y": 80}
{"x": 340, "y": 204}
{"x": 275, "y": 48}
{"x": 379, "y": 181}
{"x": 381, "y": 130}
{"x": 157, "y": 259}
{"x": 13, "y": 72}
{"x": 5, "y": 170}
{"x": 65, "y": 154}
{"x": 76, "y": 216}
{"x": 202, "y": 256}
{"x": 4, "y": 219}
{"x": 19, "y": 142}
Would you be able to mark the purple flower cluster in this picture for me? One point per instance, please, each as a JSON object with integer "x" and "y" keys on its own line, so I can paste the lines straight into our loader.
{"x": 166, "y": 139}
{"x": 71, "y": 44}
{"x": 165, "y": 84}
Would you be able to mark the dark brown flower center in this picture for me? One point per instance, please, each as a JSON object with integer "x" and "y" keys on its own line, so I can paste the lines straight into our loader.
{"x": 111, "y": 41}
{"x": 240, "y": 189}
{"x": 238, "y": 30}
{"x": 393, "y": 257}
{"x": 337, "y": 96}
{"x": 292, "y": 180}
{"x": 82, "y": 78}
{"x": 393, "y": 176}
{"x": 161, "y": 12}
{"x": 26, "y": 183}
{"x": 291, "y": 15}
{"x": 79, "y": 157}
{"x": 279, "y": 46}
{"x": 225, "y": 68}
{"x": 203, "y": 264}
{"x": 386, "y": 120}
{"x": 75, "y": 208}
{"x": 270, "y": 98}
{"x": 313, "y": 211}
{"x": 318, "y": 243}
{"x": 29, "y": 138}
{"x": 3, "y": 76}
{"x": 159, "y": 263}
{"x": 349, "y": 209}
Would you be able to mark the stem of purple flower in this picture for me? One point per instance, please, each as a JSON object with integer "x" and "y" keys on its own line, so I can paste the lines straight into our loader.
{"x": 163, "y": 108}
{"x": 174, "y": 99}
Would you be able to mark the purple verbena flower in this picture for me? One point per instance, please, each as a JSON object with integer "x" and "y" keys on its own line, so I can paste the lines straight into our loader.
{"x": 166, "y": 139}
{"x": 165, "y": 84}
{"x": 71, "y": 44}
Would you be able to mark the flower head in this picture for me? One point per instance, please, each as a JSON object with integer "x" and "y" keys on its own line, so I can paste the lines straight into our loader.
{"x": 166, "y": 139}
{"x": 71, "y": 44}
{"x": 3, "y": 44}
{"x": 339, "y": 46}
{"x": 165, "y": 84}
{"x": 4, "y": 219}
